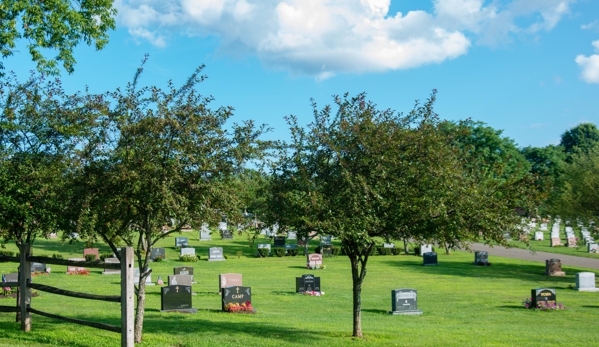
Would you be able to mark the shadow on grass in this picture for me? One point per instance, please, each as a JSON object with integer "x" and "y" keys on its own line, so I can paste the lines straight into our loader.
{"x": 373, "y": 310}
{"x": 169, "y": 323}
{"x": 498, "y": 270}
{"x": 296, "y": 267}
{"x": 283, "y": 293}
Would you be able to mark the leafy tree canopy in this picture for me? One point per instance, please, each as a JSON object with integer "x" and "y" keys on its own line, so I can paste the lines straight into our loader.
{"x": 56, "y": 25}
{"x": 582, "y": 137}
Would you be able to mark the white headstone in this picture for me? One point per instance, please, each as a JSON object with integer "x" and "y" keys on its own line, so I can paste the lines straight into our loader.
{"x": 539, "y": 236}
{"x": 188, "y": 251}
{"x": 426, "y": 249}
{"x": 585, "y": 282}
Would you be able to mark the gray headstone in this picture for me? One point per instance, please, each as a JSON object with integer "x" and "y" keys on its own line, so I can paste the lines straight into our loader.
{"x": 539, "y": 236}
{"x": 181, "y": 242}
{"x": 112, "y": 271}
{"x": 188, "y": 251}
{"x": 291, "y": 235}
{"x": 216, "y": 254}
{"x": 136, "y": 277}
{"x": 185, "y": 280}
{"x": 585, "y": 282}
{"x": 426, "y": 248}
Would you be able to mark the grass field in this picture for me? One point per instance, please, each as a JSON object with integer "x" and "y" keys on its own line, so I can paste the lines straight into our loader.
{"x": 463, "y": 304}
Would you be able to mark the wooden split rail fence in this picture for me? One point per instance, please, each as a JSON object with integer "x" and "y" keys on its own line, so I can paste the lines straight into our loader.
{"x": 24, "y": 288}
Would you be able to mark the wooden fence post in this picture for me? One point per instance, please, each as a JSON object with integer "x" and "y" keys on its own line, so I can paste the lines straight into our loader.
{"x": 25, "y": 293}
{"x": 127, "y": 298}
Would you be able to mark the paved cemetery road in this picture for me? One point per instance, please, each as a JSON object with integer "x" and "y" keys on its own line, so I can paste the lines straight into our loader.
{"x": 524, "y": 254}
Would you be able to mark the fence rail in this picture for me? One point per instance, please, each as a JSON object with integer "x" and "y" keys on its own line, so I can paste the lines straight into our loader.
{"x": 24, "y": 285}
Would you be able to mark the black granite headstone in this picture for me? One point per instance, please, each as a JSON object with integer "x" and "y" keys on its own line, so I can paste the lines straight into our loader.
{"x": 543, "y": 296}
{"x": 227, "y": 234}
{"x": 176, "y": 298}
{"x": 307, "y": 283}
{"x": 236, "y": 295}
{"x": 157, "y": 252}
{"x": 279, "y": 241}
{"x": 429, "y": 258}
{"x": 181, "y": 242}
{"x": 404, "y": 301}
{"x": 326, "y": 250}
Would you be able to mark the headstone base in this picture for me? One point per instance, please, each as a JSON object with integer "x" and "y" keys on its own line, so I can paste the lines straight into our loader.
{"x": 216, "y": 259}
{"x": 591, "y": 290}
{"x": 431, "y": 264}
{"x": 186, "y": 310}
{"x": 556, "y": 273}
{"x": 405, "y": 312}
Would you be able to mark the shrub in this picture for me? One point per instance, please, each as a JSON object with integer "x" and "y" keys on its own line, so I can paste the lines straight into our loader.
{"x": 57, "y": 256}
{"x": 103, "y": 256}
{"x": 395, "y": 251}
{"x": 6, "y": 253}
{"x": 239, "y": 254}
{"x": 263, "y": 252}
{"x": 293, "y": 252}
{"x": 225, "y": 256}
{"x": 383, "y": 251}
{"x": 336, "y": 251}
{"x": 189, "y": 258}
{"x": 90, "y": 257}
{"x": 279, "y": 251}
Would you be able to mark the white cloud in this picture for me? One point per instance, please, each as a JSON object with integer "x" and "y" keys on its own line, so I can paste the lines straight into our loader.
{"x": 591, "y": 25}
{"x": 322, "y": 38}
{"x": 589, "y": 65}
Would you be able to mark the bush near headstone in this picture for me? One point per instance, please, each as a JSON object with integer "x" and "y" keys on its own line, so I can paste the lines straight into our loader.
{"x": 103, "y": 256}
{"x": 7, "y": 253}
{"x": 189, "y": 258}
{"x": 279, "y": 251}
{"x": 292, "y": 252}
{"x": 263, "y": 252}
{"x": 90, "y": 257}
{"x": 383, "y": 250}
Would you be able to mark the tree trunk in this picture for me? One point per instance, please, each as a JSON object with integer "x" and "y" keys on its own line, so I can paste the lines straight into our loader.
{"x": 447, "y": 248}
{"x": 358, "y": 256}
{"x": 357, "y": 291}
{"x": 405, "y": 247}
{"x": 141, "y": 306}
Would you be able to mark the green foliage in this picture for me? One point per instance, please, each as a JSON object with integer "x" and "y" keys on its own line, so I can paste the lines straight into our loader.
{"x": 57, "y": 256}
{"x": 103, "y": 256}
{"x": 54, "y": 25}
{"x": 7, "y": 253}
{"x": 279, "y": 251}
{"x": 263, "y": 252}
{"x": 336, "y": 250}
{"x": 90, "y": 257}
{"x": 189, "y": 258}
{"x": 292, "y": 252}
{"x": 395, "y": 251}
{"x": 383, "y": 251}
{"x": 580, "y": 139}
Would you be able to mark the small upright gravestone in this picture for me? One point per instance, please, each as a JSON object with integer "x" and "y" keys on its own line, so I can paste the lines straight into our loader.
{"x": 216, "y": 254}
{"x": 314, "y": 260}
{"x": 38, "y": 267}
{"x": 236, "y": 295}
{"x": 185, "y": 280}
{"x": 388, "y": 245}
{"x": 539, "y": 236}
{"x": 553, "y": 267}
{"x": 429, "y": 258}
{"x": 593, "y": 247}
{"x": 291, "y": 235}
{"x": 11, "y": 277}
{"x": 404, "y": 301}
{"x": 325, "y": 240}
{"x": 481, "y": 258}
{"x": 279, "y": 241}
{"x": 555, "y": 241}
{"x": 585, "y": 282}
{"x": 227, "y": 234}
{"x": 137, "y": 277}
{"x": 543, "y": 296}
{"x": 111, "y": 271}
{"x": 181, "y": 242}
{"x": 572, "y": 242}
{"x": 176, "y": 298}
{"x": 205, "y": 233}
{"x": 157, "y": 252}
{"x": 229, "y": 280}
{"x": 75, "y": 269}
{"x": 184, "y": 270}
{"x": 188, "y": 251}
{"x": 425, "y": 249}
{"x": 307, "y": 283}
{"x": 93, "y": 251}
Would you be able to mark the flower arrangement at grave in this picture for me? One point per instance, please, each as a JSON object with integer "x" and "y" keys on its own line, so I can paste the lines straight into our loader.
{"x": 6, "y": 290}
{"x": 312, "y": 293}
{"x": 543, "y": 306}
{"x": 188, "y": 258}
{"x": 235, "y": 307}
{"x": 158, "y": 258}
{"x": 40, "y": 273}
{"x": 79, "y": 272}
{"x": 316, "y": 267}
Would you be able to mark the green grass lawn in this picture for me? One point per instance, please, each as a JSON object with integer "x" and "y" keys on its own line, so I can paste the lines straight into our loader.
{"x": 545, "y": 245}
{"x": 463, "y": 304}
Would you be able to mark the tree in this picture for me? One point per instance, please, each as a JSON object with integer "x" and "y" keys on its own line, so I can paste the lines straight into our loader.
{"x": 57, "y": 25}
{"x": 165, "y": 155}
{"x": 41, "y": 130}
{"x": 579, "y": 197}
{"x": 582, "y": 137}
{"x": 360, "y": 173}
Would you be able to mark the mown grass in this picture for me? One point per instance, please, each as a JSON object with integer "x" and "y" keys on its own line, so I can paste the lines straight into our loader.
{"x": 545, "y": 245}
{"x": 463, "y": 304}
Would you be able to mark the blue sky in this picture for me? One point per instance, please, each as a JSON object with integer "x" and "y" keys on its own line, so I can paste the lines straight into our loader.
{"x": 528, "y": 67}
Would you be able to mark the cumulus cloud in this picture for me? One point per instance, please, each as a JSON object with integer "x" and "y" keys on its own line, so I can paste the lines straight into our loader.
{"x": 589, "y": 65}
{"x": 322, "y": 38}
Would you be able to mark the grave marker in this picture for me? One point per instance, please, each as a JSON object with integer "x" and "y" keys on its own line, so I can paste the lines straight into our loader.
{"x": 93, "y": 251}
{"x": 481, "y": 258}
{"x": 181, "y": 242}
{"x": 229, "y": 280}
{"x": 307, "y": 283}
{"x": 279, "y": 241}
{"x": 404, "y": 301}
{"x": 11, "y": 277}
{"x": 216, "y": 254}
{"x": 314, "y": 260}
{"x": 184, "y": 270}
{"x": 112, "y": 271}
{"x": 185, "y": 280}
{"x": 38, "y": 267}
{"x": 539, "y": 236}
{"x": 555, "y": 241}
{"x": 585, "y": 282}
{"x": 543, "y": 296}
{"x": 236, "y": 295}
{"x": 425, "y": 249}
{"x": 553, "y": 267}
{"x": 188, "y": 251}
{"x": 292, "y": 235}
{"x": 158, "y": 252}
{"x": 429, "y": 258}
{"x": 176, "y": 298}
{"x": 205, "y": 233}
{"x": 593, "y": 247}
{"x": 136, "y": 277}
